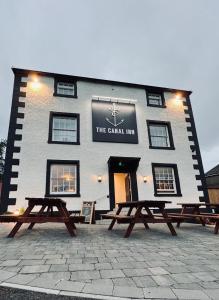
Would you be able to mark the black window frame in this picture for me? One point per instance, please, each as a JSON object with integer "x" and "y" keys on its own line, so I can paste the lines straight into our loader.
{"x": 63, "y": 114}
{"x": 155, "y": 91}
{"x": 65, "y": 80}
{"x": 177, "y": 181}
{"x": 168, "y": 124}
{"x": 48, "y": 173}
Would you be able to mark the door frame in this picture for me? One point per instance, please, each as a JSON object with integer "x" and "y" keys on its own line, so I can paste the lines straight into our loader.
{"x": 130, "y": 166}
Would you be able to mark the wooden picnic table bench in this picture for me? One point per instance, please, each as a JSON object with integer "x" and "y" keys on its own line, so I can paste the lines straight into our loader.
{"x": 143, "y": 214}
{"x": 46, "y": 214}
{"x": 191, "y": 211}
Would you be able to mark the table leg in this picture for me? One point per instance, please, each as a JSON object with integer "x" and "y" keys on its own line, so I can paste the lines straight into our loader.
{"x": 197, "y": 211}
{"x": 18, "y": 225}
{"x": 114, "y": 220}
{"x": 169, "y": 224}
{"x": 129, "y": 229}
{"x": 40, "y": 211}
{"x": 216, "y": 228}
{"x": 69, "y": 225}
{"x": 182, "y": 212}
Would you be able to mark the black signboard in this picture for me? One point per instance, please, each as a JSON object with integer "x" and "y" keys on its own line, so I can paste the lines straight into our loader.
{"x": 114, "y": 122}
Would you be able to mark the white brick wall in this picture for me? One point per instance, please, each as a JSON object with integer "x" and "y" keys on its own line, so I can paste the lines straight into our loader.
{"x": 93, "y": 156}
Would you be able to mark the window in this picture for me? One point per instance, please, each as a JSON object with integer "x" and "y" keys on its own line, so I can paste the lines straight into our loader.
{"x": 65, "y": 87}
{"x": 64, "y": 128}
{"x": 160, "y": 135}
{"x": 155, "y": 99}
{"x": 62, "y": 178}
{"x": 166, "y": 180}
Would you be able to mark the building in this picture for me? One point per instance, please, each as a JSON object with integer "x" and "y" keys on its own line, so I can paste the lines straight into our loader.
{"x": 212, "y": 179}
{"x": 83, "y": 139}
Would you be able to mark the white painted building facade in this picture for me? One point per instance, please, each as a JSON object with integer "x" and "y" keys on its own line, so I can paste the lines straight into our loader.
{"x": 29, "y": 151}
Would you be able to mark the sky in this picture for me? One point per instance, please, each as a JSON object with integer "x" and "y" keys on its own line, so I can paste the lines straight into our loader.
{"x": 154, "y": 42}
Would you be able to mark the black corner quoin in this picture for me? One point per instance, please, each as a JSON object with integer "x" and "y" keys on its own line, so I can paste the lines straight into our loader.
{"x": 157, "y": 91}
{"x": 48, "y": 172}
{"x": 68, "y": 115}
{"x": 176, "y": 175}
{"x": 65, "y": 79}
{"x": 168, "y": 124}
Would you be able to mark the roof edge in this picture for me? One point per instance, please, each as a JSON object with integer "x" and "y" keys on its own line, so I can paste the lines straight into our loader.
{"x": 20, "y": 71}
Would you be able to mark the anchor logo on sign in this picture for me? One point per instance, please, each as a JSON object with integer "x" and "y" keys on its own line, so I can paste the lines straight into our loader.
{"x": 114, "y": 112}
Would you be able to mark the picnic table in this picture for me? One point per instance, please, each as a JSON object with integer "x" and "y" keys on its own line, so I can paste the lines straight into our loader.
{"x": 143, "y": 214}
{"x": 192, "y": 211}
{"x": 45, "y": 214}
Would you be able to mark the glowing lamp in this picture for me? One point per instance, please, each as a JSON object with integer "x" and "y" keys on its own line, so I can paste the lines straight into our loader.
{"x": 145, "y": 179}
{"x": 99, "y": 178}
{"x": 35, "y": 84}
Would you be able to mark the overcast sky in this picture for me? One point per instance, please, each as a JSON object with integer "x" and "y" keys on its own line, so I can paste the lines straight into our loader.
{"x": 156, "y": 42}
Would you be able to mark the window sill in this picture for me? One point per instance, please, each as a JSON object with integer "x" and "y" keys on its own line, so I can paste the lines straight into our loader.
{"x": 162, "y": 148}
{"x": 158, "y": 106}
{"x": 62, "y": 195}
{"x": 167, "y": 195}
{"x": 64, "y": 96}
{"x": 64, "y": 143}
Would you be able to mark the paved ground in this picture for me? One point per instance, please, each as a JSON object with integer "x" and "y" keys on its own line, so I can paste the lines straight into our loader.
{"x": 150, "y": 264}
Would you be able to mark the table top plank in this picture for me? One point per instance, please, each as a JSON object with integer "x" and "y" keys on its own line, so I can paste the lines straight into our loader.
{"x": 149, "y": 203}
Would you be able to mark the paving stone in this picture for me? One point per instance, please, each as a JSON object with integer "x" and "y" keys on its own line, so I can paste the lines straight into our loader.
{"x": 209, "y": 284}
{"x": 177, "y": 269}
{"x": 111, "y": 273}
{"x": 41, "y": 282}
{"x": 159, "y": 292}
{"x": 157, "y": 263}
{"x": 84, "y": 275}
{"x": 205, "y": 276}
{"x": 81, "y": 267}
{"x": 74, "y": 261}
{"x": 74, "y": 286}
{"x": 123, "y": 282}
{"x": 4, "y": 275}
{"x": 184, "y": 278}
{"x": 12, "y": 269}
{"x": 128, "y": 291}
{"x": 56, "y": 275}
{"x": 212, "y": 293}
{"x": 59, "y": 261}
{"x": 58, "y": 268}
{"x": 31, "y": 262}
{"x": 136, "y": 272}
{"x": 52, "y": 256}
{"x": 32, "y": 256}
{"x": 187, "y": 286}
{"x": 103, "y": 266}
{"x": 90, "y": 260}
{"x": 190, "y": 294}
{"x": 98, "y": 289}
{"x": 158, "y": 271}
{"x": 144, "y": 281}
{"x": 35, "y": 269}
{"x": 10, "y": 263}
{"x": 163, "y": 280}
{"x": 101, "y": 281}
{"x": 21, "y": 278}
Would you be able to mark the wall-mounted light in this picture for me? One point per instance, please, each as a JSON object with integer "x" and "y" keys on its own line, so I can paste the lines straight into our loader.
{"x": 145, "y": 179}
{"x": 99, "y": 178}
{"x": 16, "y": 212}
{"x": 35, "y": 84}
{"x": 178, "y": 98}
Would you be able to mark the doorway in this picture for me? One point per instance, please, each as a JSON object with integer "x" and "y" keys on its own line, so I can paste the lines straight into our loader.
{"x": 122, "y": 180}
{"x": 122, "y": 187}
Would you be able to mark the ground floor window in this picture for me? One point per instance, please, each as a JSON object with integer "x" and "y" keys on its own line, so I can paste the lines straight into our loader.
{"x": 62, "y": 178}
{"x": 166, "y": 180}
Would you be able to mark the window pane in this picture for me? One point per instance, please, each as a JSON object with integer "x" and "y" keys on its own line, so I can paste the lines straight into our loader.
{"x": 64, "y": 129}
{"x": 159, "y": 135}
{"x": 155, "y": 99}
{"x": 165, "y": 180}
{"x": 63, "y": 179}
{"x": 65, "y": 88}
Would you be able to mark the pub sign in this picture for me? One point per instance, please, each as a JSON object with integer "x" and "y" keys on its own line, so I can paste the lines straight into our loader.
{"x": 114, "y": 122}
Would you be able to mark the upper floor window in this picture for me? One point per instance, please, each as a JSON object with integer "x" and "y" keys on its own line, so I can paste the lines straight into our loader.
{"x": 166, "y": 180}
{"x": 62, "y": 178}
{"x": 155, "y": 99}
{"x": 160, "y": 135}
{"x": 65, "y": 88}
{"x": 64, "y": 128}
